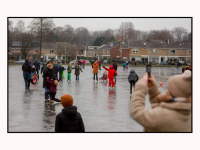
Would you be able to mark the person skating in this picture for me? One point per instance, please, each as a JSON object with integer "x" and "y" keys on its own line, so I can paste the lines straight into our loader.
{"x": 95, "y": 70}
{"x": 26, "y": 71}
{"x": 132, "y": 78}
{"x": 124, "y": 66}
{"x": 55, "y": 69}
{"x": 69, "y": 119}
{"x": 37, "y": 67}
{"x": 111, "y": 72}
{"x": 53, "y": 83}
{"x": 171, "y": 112}
{"x": 47, "y": 73}
{"x": 83, "y": 62}
{"x": 69, "y": 70}
{"x": 105, "y": 76}
{"x": 135, "y": 63}
{"x": 115, "y": 67}
{"x": 61, "y": 69}
{"x": 77, "y": 71}
{"x": 30, "y": 80}
{"x": 43, "y": 68}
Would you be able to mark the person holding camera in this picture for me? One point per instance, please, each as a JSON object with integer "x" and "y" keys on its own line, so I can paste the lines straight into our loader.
{"x": 170, "y": 112}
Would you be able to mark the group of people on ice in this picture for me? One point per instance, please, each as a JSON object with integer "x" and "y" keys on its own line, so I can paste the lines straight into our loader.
{"x": 170, "y": 112}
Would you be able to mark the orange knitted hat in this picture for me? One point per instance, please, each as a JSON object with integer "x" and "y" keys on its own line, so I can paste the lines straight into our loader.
{"x": 66, "y": 100}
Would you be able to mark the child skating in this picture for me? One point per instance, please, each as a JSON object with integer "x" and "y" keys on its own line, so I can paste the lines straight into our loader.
{"x": 111, "y": 73}
{"x": 132, "y": 78}
{"x": 69, "y": 70}
{"x": 77, "y": 71}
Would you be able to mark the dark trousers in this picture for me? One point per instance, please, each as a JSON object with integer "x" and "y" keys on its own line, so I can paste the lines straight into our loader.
{"x": 53, "y": 94}
{"x": 60, "y": 76}
{"x": 96, "y": 76}
{"x": 115, "y": 78}
{"x": 26, "y": 76}
{"x": 37, "y": 72}
{"x": 30, "y": 81}
{"x": 132, "y": 83}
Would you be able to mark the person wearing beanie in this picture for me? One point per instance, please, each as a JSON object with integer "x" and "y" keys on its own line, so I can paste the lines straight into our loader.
{"x": 111, "y": 73}
{"x": 47, "y": 73}
{"x": 53, "y": 83}
{"x": 26, "y": 72}
{"x": 171, "y": 112}
{"x": 132, "y": 78}
{"x": 69, "y": 120}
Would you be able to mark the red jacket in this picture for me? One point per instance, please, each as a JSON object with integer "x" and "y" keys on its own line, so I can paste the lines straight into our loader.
{"x": 83, "y": 61}
{"x": 111, "y": 72}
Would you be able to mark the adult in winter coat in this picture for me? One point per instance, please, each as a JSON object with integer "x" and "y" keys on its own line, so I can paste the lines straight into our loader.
{"x": 37, "y": 67}
{"x": 69, "y": 119}
{"x": 26, "y": 71}
{"x": 69, "y": 70}
{"x": 44, "y": 67}
{"x": 132, "y": 78}
{"x": 95, "y": 70}
{"x": 77, "y": 71}
{"x": 61, "y": 69}
{"x": 83, "y": 62}
{"x": 111, "y": 73}
{"x": 55, "y": 69}
{"x": 170, "y": 112}
{"x": 115, "y": 67}
{"x": 47, "y": 73}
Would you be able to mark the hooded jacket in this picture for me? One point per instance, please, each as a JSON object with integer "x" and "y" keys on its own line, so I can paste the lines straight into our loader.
{"x": 164, "y": 116}
{"x": 26, "y": 67}
{"x": 69, "y": 120}
{"x": 95, "y": 67}
{"x": 111, "y": 72}
{"x": 52, "y": 86}
{"x": 133, "y": 76}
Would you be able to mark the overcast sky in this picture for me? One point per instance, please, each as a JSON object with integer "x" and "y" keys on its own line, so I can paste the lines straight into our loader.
{"x": 93, "y": 24}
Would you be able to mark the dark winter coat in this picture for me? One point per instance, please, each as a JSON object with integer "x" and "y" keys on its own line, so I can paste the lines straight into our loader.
{"x": 55, "y": 68}
{"x": 61, "y": 69}
{"x": 77, "y": 70}
{"x": 47, "y": 73}
{"x": 69, "y": 120}
{"x": 133, "y": 76}
{"x": 115, "y": 66}
{"x": 44, "y": 67}
{"x": 26, "y": 67}
{"x": 37, "y": 65}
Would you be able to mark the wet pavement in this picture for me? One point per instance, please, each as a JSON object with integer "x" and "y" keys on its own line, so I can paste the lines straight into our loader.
{"x": 101, "y": 110}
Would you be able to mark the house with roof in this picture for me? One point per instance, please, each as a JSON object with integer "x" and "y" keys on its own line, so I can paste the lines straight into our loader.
{"x": 106, "y": 49}
{"x": 156, "y": 51}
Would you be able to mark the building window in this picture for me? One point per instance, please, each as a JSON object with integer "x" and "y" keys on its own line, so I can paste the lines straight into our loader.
{"x": 51, "y": 51}
{"x": 13, "y": 49}
{"x": 154, "y": 51}
{"x": 172, "y": 51}
{"x": 189, "y": 52}
{"x": 135, "y": 50}
{"x": 145, "y": 48}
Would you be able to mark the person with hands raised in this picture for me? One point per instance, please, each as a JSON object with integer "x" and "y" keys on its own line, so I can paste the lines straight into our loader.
{"x": 170, "y": 112}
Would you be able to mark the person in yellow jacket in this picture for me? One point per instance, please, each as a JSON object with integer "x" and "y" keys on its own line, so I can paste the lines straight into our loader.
{"x": 171, "y": 112}
{"x": 95, "y": 70}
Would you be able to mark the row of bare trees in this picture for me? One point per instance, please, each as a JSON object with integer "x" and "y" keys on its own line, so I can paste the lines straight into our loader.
{"x": 44, "y": 30}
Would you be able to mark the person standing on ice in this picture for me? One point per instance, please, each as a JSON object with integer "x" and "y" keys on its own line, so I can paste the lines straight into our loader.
{"x": 111, "y": 73}
{"x": 95, "y": 70}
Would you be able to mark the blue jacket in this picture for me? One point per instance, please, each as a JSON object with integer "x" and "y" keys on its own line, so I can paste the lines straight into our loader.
{"x": 37, "y": 65}
{"x": 124, "y": 64}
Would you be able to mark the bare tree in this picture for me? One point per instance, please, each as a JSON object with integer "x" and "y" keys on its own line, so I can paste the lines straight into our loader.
{"x": 60, "y": 49}
{"x": 179, "y": 33}
{"x": 10, "y": 34}
{"x": 127, "y": 31}
{"x": 41, "y": 27}
{"x": 81, "y": 36}
{"x": 68, "y": 32}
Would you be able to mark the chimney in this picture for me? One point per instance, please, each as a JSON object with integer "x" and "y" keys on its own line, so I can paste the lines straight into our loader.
{"x": 168, "y": 41}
